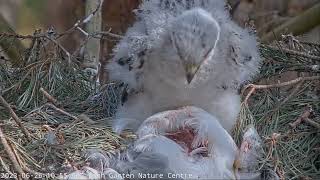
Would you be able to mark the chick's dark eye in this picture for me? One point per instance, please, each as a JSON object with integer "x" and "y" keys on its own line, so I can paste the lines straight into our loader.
{"x": 247, "y": 58}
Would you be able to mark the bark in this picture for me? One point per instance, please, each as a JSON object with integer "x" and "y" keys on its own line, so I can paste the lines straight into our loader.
{"x": 12, "y": 47}
{"x": 62, "y": 15}
{"x": 298, "y": 25}
{"x": 117, "y": 15}
{"x": 93, "y": 44}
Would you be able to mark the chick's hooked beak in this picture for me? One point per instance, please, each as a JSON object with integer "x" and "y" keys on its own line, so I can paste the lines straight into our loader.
{"x": 191, "y": 70}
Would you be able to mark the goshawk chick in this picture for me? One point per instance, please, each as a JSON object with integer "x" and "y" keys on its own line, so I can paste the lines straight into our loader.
{"x": 182, "y": 53}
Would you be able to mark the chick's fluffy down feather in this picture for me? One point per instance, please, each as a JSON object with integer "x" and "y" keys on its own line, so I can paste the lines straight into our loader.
{"x": 153, "y": 65}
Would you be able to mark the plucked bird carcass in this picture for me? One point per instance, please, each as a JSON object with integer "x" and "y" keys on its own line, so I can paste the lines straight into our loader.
{"x": 185, "y": 143}
{"x": 182, "y": 53}
{"x": 188, "y": 143}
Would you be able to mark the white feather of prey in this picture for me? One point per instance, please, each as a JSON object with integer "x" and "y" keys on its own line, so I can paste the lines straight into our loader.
{"x": 221, "y": 149}
{"x": 182, "y": 53}
{"x": 187, "y": 142}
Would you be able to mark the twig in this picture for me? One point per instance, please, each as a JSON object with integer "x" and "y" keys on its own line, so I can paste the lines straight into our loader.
{"x": 15, "y": 117}
{"x": 49, "y": 97}
{"x": 33, "y": 45}
{"x": 82, "y": 22}
{"x": 108, "y": 33}
{"x": 19, "y": 36}
{"x": 61, "y": 111}
{"x": 10, "y": 153}
{"x": 5, "y": 167}
{"x": 312, "y": 123}
{"x": 14, "y": 151}
{"x": 301, "y": 118}
{"x": 60, "y": 46}
{"x": 23, "y": 165}
{"x": 305, "y": 118}
{"x": 44, "y": 35}
{"x": 278, "y": 85}
{"x": 252, "y": 90}
{"x": 293, "y": 52}
{"x": 83, "y": 31}
{"x": 39, "y": 35}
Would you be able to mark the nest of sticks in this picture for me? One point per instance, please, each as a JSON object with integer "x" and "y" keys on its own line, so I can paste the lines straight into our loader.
{"x": 51, "y": 111}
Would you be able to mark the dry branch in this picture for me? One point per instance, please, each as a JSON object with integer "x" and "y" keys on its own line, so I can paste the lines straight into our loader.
{"x": 312, "y": 123}
{"x": 19, "y": 36}
{"x": 5, "y": 167}
{"x": 254, "y": 87}
{"x": 49, "y": 97}
{"x": 60, "y": 46}
{"x": 23, "y": 165}
{"x": 15, "y": 117}
{"x": 62, "y": 111}
{"x": 81, "y": 22}
{"x": 108, "y": 33}
{"x": 11, "y": 155}
{"x": 301, "y": 118}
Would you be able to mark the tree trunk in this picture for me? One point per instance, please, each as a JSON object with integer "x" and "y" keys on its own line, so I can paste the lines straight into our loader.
{"x": 298, "y": 25}
{"x": 93, "y": 45}
{"x": 12, "y": 47}
{"x": 117, "y": 15}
